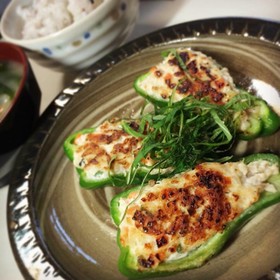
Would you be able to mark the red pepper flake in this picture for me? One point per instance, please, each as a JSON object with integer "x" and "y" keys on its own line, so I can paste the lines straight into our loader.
{"x": 146, "y": 263}
{"x": 206, "y": 71}
{"x": 173, "y": 62}
{"x": 179, "y": 74}
{"x": 170, "y": 84}
{"x": 184, "y": 87}
{"x": 184, "y": 56}
{"x": 158, "y": 73}
{"x": 172, "y": 249}
{"x": 220, "y": 83}
{"x": 216, "y": 96}
{"x": 192, "y": 67}
{"x": 161, "y": 241}
{"x": 236, "y": 196}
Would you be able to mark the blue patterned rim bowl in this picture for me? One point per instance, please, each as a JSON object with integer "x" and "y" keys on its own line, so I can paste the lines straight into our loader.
{"x": 79, "y": 44}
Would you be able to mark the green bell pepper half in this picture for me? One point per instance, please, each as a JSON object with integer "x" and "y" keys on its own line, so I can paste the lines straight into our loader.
{"x": 262, "y": 119}
{"x": 85, "y": 182}
{"x": 143, "y": 93}
{"x": 118, "y": 180}
{"x": 212, "y": 246}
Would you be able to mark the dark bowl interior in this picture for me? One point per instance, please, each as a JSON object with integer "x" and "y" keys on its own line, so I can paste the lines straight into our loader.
{"x": 19, "y": 121}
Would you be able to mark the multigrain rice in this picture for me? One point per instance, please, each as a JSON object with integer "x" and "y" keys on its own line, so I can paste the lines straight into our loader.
{"x": 44, "y": 17}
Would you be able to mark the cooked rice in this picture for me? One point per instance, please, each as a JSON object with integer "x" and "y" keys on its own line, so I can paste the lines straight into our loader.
{"x": 44, "y": 17}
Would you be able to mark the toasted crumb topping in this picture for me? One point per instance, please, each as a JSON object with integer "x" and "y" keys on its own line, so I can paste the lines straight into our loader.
{"x": 109, "y": 149}
{"x": 202, "y": 77}
{"x": 168, "y": 219}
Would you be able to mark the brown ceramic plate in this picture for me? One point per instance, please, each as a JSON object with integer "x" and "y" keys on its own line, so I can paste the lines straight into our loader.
{"x": 60, "y": 231}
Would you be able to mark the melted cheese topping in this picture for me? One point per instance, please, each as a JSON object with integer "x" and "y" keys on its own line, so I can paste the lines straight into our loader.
{"x": 107, "y": 150}
{"x": 167, "y": 220}
{"x": 204, "y": 77}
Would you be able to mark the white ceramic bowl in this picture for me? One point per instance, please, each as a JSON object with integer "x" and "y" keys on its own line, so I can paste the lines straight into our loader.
{"x": 81, "y": 43}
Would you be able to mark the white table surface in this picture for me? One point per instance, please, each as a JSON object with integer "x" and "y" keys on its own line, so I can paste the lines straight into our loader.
{"x": 154, "y": 14}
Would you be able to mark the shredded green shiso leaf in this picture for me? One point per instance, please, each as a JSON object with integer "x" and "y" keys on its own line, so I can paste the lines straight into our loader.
{"x": 182, "y": 134}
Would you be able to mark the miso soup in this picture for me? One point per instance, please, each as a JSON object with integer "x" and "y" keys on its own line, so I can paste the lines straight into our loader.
{"x": 10, "y": 76}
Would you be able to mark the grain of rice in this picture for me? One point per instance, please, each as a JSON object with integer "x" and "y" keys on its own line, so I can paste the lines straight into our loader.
{"x": 44, "y": 17}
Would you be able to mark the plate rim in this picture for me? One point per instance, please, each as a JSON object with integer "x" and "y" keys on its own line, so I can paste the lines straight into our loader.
{"x": 22, "y": 176}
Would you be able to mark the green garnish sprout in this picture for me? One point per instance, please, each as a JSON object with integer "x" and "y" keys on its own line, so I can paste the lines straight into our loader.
{"x": 182, "y": 134}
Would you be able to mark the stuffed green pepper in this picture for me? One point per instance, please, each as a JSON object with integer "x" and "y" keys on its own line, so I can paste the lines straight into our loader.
{"x": 184, "y": 72}
{"x": 122, "y": 152}
{"x": 103, "y": 155}
{"x": 179, "y": 223}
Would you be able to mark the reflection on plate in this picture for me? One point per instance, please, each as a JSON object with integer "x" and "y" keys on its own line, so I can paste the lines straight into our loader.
{"x": 59, "y": 230}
